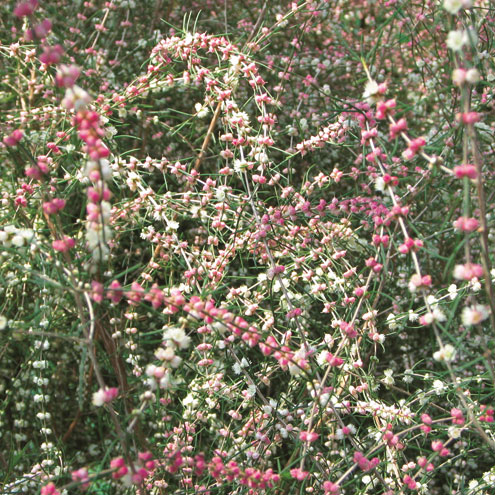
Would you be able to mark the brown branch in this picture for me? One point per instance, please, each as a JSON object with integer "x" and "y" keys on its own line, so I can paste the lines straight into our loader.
{"x": 118, "y": 366}
{"x": 206, "y": 141}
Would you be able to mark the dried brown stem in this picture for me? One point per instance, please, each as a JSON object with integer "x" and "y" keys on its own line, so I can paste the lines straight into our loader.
{"x": 207, "y": 138}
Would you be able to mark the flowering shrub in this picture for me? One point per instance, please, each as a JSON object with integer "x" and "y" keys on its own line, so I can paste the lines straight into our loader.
{"x": 247, "y": 247}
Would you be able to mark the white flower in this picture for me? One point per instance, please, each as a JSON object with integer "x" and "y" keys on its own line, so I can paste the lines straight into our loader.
{"x": 473, "y": 484}
{"x": 391, "y": 322}
{"x": 110, "y": 131}
{"x": 447, "y": 353}
{"x": 132, "y": 181}
{"x": 99, "y": 398}
{"x": 454, "y": 432}
{"x": 277, "y": 285}
{"x": 172, "y": 225}
{"x": 221, "y": 193}
{"x": 370, "y": 91}
{"x": 177, "y": 337}
{"x": 380, "y": 184}
{"x": 104, "y": 396}
{"x": 452, "y": 291}
{"x": 452, "y": 6}
{"x": 456, "y": 40}
{"x": 388, "y": 379}
{"x": 438, "y": 386}
{"x": 75, "y": 98}
{"x": 166, "y": 382}
{"x": 3, "y": 322}
{"x": 188, "y": 40}
{"x": 18, "y": 240}
{"x": 168, "y": 355}
{"x": 475, "y": 285}
{"x": 459, "y": 76}
{"x": 366, "y": 479}
{"x": 473, "y": 315}
{"x": 408, "y": 376}
{"x": 412, "y": 316}
{"x": 432, "y": 300}
{"x": 28, "y": 234}
{"x": 472, "y": 76}
{"x": 251, "y": 391}
{"x": 438, "y": 315}
{"x": 201, "y": 110}
{"x": 239, "y": 165}
{"x": 321, "y": 359}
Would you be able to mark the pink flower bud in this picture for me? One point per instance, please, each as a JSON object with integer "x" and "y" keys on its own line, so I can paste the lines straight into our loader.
{"x": 14, "y": 138}
{"x": 466, "y": 170}
{"x": 24, "y": 9}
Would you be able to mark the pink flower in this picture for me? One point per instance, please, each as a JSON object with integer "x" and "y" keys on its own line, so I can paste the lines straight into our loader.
{"x": 468, "y": 271}
{"x": 24, "y": 9}
{"x": 82, "y": 476}
{"x": 331, "y": 488}
{"x": 135, "y": 295}
{"x": 427, "y": 421}
{"x": 139, "y": 476}
{"x": 469, "y": 118}
{"x": 54, "y": 206}
{"x": 436, "y": 446}
{"x": 40, "y": 31}
{"x": 308, "y": 436}
{"x": 51, "y": 54}
{"x": 115, "y": 292}
{"x": 414, "y": 148}
{"x": 488, "y": 414}
{"x": 411, "y": 484}
{"x": 154, "y": 296}
{"x": 466, "y": 170}
{"x": 63, "y": 245}
{"x": 49, "y": 489}
{"x": 299, "y": 474}
{"x": 96, "y": 291}
{"x": 105, "y": 396}
{"x": 333, "y": 360}
{"x": 384, "y": 108}
{"x": 417, "y": 281}
{"x": 14, "y": 138}
{"x": 364, "y": 463}
{"x": 396, "y": 128}
{"x": 466, "y": 224}
{"x": 348, "y": 329}
{"x": 120, "y": 469}
{"x": 66, "y": 76}
{"x": 457, "y": 416}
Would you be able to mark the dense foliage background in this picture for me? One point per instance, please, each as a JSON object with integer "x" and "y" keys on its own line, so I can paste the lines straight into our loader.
{"x": 247, "y": 247}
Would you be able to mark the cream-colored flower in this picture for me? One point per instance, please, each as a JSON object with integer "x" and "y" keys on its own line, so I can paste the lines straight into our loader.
{"x": 446, "y": 354}
{"x": 452, "y": 6}
{"x": 456, "y": 40}
{"x": 474, "y": 315}
{"x": 370, "y": 91}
